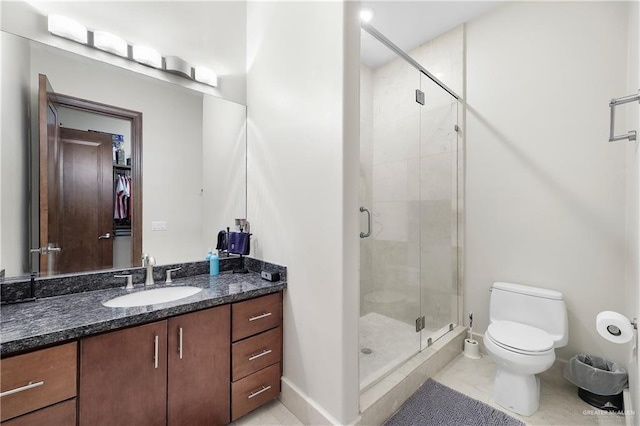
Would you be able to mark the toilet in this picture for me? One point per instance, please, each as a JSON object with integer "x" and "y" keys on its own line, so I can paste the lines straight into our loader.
{"x": 526, "y": 325}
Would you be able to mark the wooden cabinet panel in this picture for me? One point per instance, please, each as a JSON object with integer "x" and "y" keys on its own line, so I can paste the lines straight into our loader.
{"x": 45, "y": 376}
{"x": 251, "y": 392}
{"x": 60, "y": 414}
{"x": 256, "y": 315}
{"x": 123, "y": 377}
{"x": 198, "y": 370}
{"x": 255, "y": 353}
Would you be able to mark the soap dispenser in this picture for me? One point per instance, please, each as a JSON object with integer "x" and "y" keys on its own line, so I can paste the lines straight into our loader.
{"x": 214, "y": 264}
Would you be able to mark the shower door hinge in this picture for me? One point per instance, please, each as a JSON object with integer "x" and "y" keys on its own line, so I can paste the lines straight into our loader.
{"x": 419, "y": 324}
{"x": 420, "y": 96}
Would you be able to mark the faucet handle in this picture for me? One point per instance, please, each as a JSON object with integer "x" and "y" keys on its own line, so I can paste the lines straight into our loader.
{"x": 169, "y": 271}
{"x": 129, "y": 278}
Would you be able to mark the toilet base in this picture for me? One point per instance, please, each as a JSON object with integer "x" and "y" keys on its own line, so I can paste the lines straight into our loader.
{"x": 520, "y": 394}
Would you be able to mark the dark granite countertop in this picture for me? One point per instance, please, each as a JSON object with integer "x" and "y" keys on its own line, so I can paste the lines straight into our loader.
{"x": 50, "y": 320}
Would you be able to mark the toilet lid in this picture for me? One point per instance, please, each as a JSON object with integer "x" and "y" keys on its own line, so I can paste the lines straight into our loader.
{"x": 519, "y": 337}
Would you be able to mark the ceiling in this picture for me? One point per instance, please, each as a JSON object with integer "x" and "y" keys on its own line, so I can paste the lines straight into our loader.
{"x": 408, "y": 24}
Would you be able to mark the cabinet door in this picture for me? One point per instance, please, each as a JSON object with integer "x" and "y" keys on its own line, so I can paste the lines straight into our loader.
{"x": 199, "y": 364}
{"x": 123, "y": 377}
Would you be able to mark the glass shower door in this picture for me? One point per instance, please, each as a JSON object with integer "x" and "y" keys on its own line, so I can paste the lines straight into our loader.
{"x": 438, "y": 211}
{"x": 389, "y": 190}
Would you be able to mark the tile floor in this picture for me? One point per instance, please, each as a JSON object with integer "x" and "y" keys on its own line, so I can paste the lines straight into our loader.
{"x": 559, "y": 402}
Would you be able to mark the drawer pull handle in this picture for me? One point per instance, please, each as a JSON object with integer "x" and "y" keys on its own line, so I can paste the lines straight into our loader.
{"x": 28, "y": 386}
{"x": 256, "y": 393}
{"x": 263, "y": 353}
{"x": 180, "y": 337}
{"x": 155, "y": 351}
{"x": 268, "y": 314}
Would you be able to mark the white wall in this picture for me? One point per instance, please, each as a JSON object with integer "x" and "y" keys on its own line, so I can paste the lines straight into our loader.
{"x": 302, "y": 192}
{"x": 632, "y": 308}
{"x": 223, "y": 187}
{"x": 13, "y": 165}
{"x": 545, "y": 198}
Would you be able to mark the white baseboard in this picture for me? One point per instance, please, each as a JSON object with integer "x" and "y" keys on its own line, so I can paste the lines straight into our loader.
{"x": 304, "y": 408}
{"x": 629, "y": 413}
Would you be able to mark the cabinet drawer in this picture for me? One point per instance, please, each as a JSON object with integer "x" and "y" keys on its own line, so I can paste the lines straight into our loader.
{"x": 256, "y": 315}
{"x": 251, "y": 392}
{"x": 256, "y": 353}
{"x": 61, "y": 414}
{"x": 38, "y": 379}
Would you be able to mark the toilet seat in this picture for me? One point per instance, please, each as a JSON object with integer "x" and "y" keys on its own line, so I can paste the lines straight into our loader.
{"x": 520, "y": 338}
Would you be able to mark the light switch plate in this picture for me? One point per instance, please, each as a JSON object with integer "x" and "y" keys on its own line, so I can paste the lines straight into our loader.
{"x": 159, "y": 226}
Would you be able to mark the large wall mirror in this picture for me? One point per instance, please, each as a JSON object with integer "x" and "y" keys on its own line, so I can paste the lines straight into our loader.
{"x": 191, "y": 157}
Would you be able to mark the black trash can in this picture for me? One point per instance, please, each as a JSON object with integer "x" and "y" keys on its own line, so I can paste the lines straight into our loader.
{"x": 600, "y": 381}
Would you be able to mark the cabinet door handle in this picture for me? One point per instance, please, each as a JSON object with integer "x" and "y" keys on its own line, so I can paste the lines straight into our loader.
{"x": 156, "y": 341}
{"x": 28, "y": 386}
{"x": 180, "y": 342}
{"x": 263, "y": 353}
{"x": 256, "y": 393}
{"x": 268, "y": 314}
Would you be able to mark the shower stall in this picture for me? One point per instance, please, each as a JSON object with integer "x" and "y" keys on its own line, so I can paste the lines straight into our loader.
{"x": 410, "y": 193}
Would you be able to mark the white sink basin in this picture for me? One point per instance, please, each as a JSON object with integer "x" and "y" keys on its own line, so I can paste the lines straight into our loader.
{"x": 151, "y": 297}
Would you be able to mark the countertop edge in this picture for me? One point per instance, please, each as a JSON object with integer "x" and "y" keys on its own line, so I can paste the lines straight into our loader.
{"x": 15, "y": 347}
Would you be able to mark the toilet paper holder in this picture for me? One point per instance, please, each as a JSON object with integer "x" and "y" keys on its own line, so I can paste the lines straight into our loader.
{"x": 614, "y": 330}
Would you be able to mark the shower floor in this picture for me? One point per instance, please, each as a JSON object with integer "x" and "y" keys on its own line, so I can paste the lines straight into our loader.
{"x": 391, "y": 343}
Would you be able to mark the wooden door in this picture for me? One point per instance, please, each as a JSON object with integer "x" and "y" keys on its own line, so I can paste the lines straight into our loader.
{"x": 49, "y": 126}
{"x": 123, "y": 377}
{"x": 199, "y": 369}
{"x": 86, "y": 201}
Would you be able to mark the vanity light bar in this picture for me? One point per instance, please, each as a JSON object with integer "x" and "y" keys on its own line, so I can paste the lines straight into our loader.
{"x": 110, "y": 43}
{"x": 68, "y": 28}
{"x": 147, "y": 56}
{"x": 177, "y": 66}
{"x": 206, "y": 76}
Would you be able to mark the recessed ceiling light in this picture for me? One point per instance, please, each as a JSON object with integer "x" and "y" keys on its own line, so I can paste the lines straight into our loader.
{"x": 366, "y": 14}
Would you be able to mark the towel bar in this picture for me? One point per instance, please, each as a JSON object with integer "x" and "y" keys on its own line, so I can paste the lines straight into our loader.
{"x": 612, "y": 105}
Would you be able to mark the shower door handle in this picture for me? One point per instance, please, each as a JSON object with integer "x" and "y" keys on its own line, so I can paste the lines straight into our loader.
{"x": 362, "y": 234}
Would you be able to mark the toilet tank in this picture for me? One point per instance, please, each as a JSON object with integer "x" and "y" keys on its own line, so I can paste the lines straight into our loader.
{"x": 538, "y": 307}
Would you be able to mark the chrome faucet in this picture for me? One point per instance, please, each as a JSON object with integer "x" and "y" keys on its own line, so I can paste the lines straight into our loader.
{"x": 148, "y": 262}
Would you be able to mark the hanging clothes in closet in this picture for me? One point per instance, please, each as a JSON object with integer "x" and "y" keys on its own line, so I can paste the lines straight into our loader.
{"x": 122, "y": 203}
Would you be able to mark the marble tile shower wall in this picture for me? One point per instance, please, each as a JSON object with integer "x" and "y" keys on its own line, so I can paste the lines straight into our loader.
{"x": 408, "y": 164}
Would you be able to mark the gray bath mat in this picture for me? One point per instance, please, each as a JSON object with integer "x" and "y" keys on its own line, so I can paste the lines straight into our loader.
{"x": 436, "y": 404}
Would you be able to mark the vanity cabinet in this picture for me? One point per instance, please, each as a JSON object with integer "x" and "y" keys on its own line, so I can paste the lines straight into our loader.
{"x": 256, "y": 348}
{"x": 198, "y": 371}
{"x": 39, "y": 379}
{"x": 171, "y": 372}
